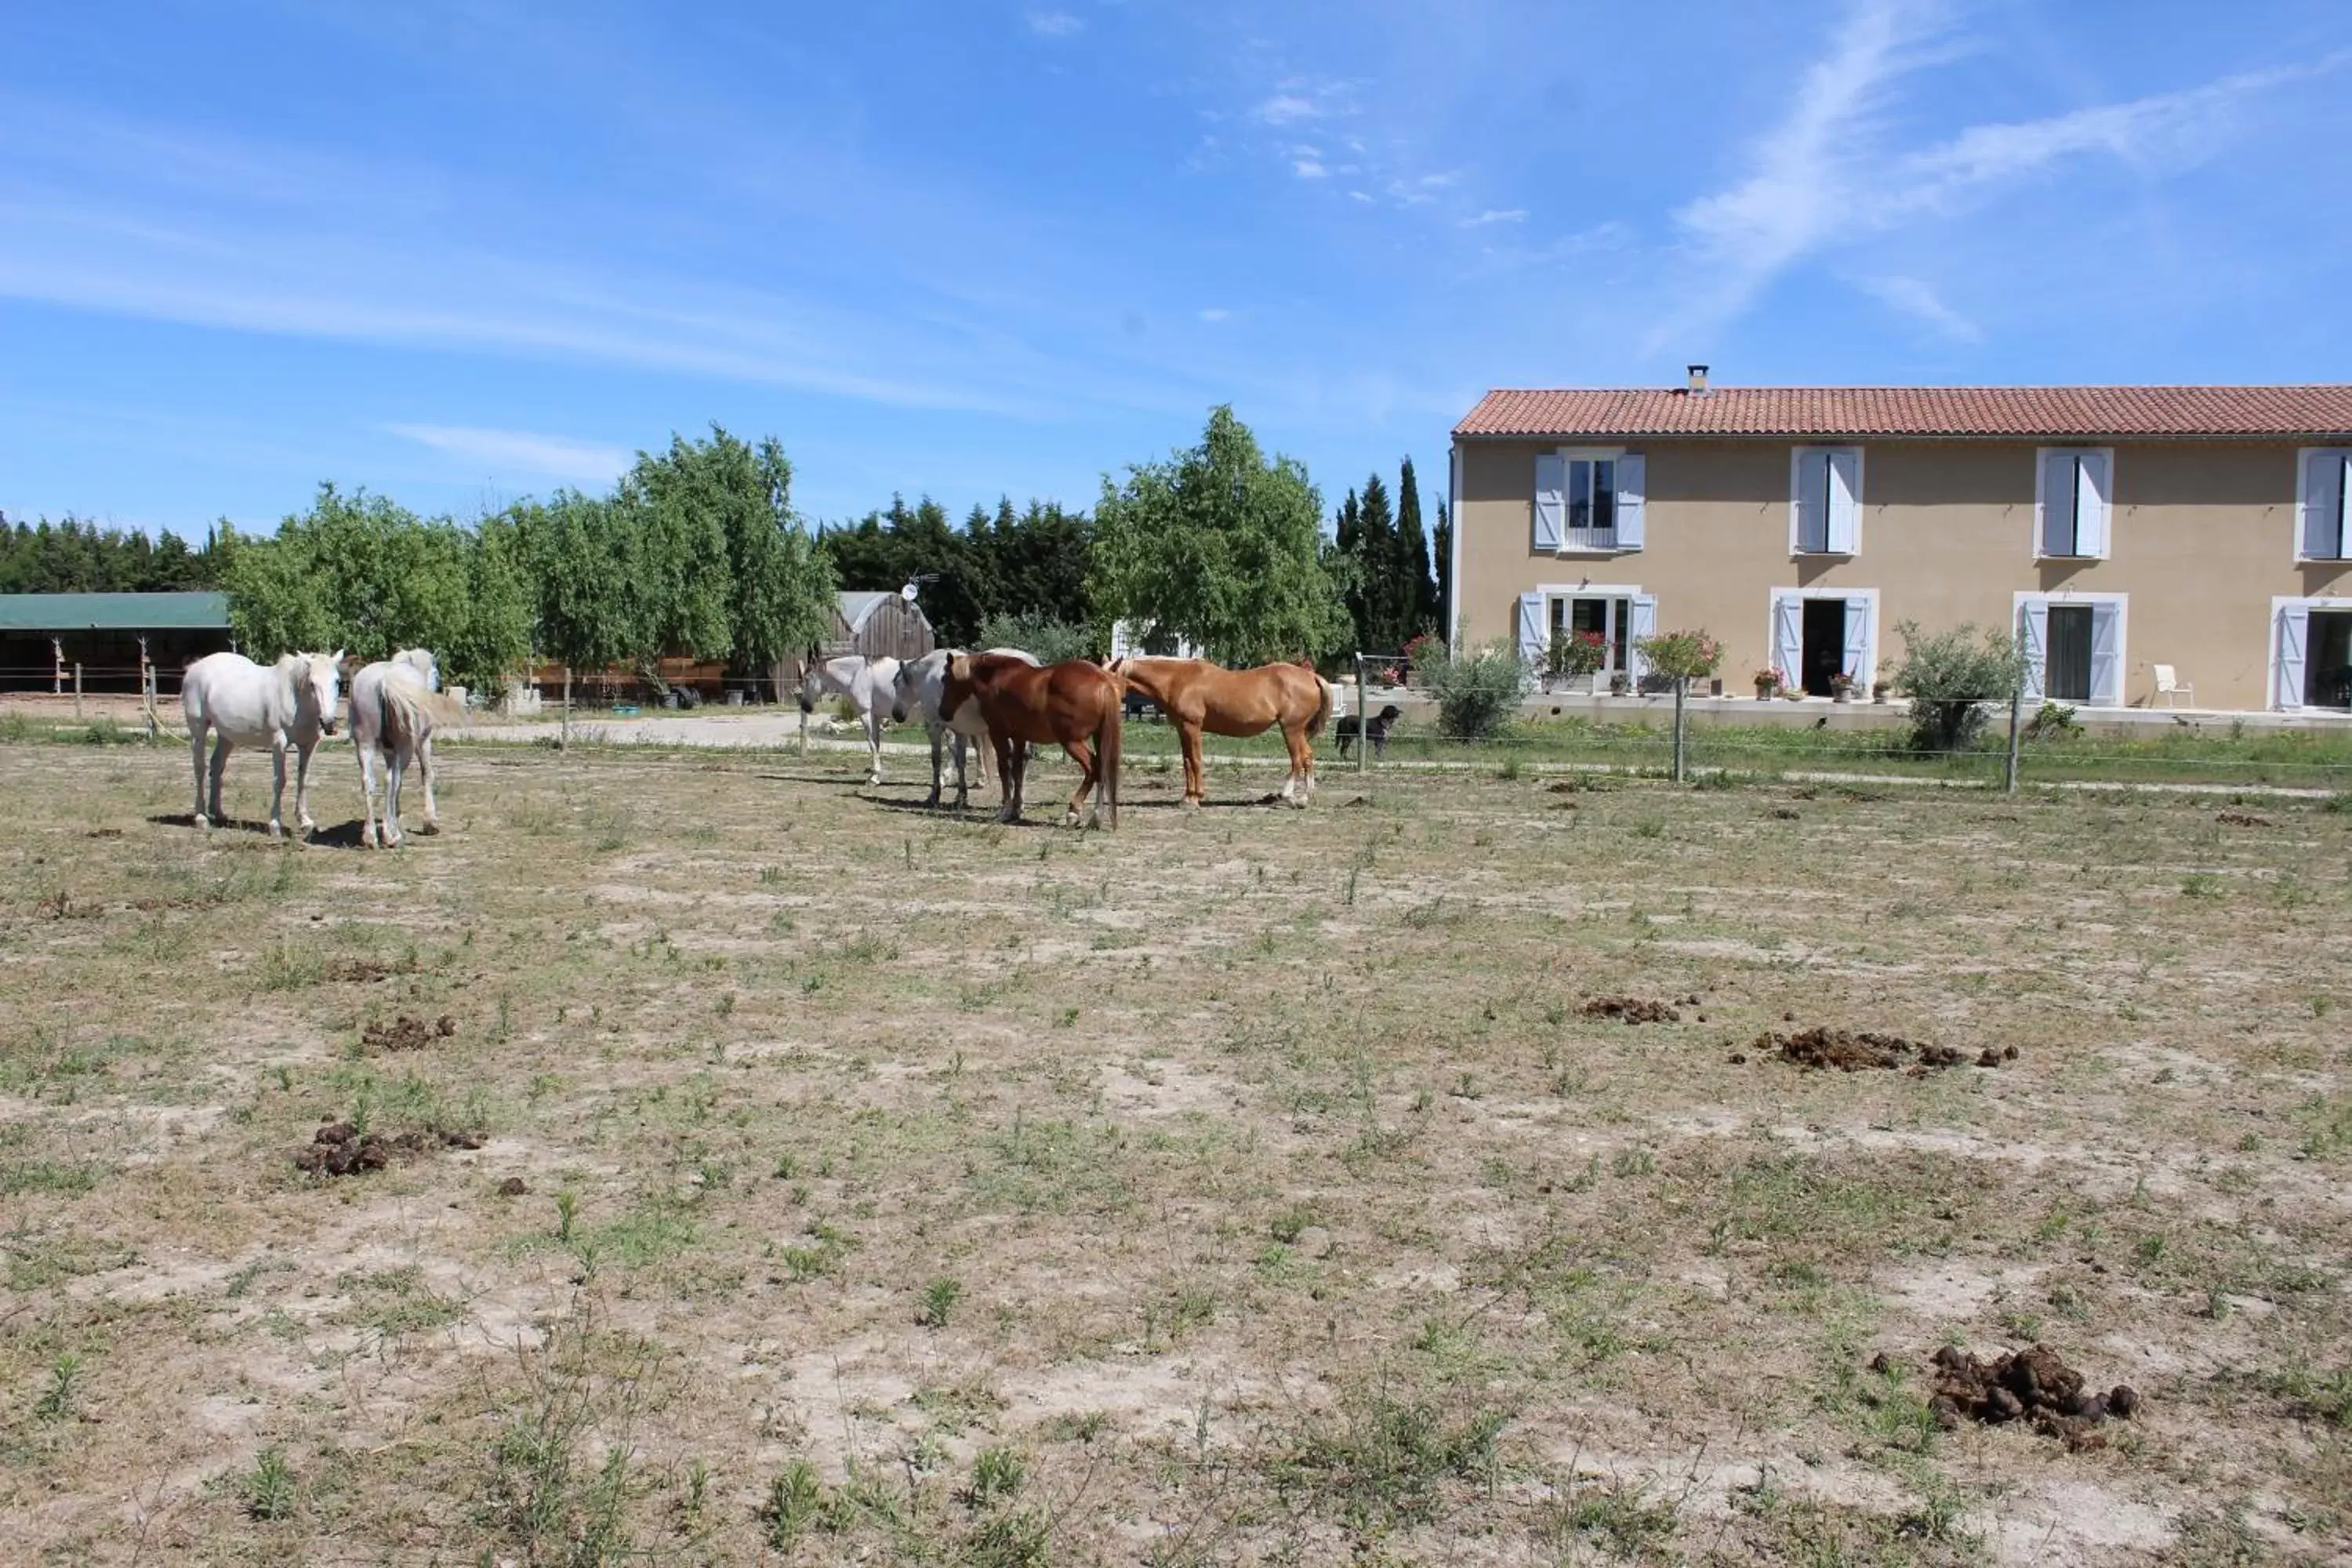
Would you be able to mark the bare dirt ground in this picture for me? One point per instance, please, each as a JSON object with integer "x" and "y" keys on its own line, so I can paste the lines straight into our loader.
{"x": 695, "y": 1158}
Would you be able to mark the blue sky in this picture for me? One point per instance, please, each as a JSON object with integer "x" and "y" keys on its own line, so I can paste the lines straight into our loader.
{"x": 462, "y": 252}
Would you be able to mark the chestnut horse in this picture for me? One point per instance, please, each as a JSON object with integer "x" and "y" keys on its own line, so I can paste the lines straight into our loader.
{"x": 1077, "y": 704}
{"x": 1197, "y": 695}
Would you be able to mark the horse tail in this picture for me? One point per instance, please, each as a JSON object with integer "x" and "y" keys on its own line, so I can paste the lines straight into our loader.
{"x": 1322, "y": 707}
{"x": 1106, "y": 740}
{"x": 411, "y": 713}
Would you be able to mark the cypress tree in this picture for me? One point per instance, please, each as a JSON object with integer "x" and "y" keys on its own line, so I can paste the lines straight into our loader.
{"x": 1443, "y": 540}
{"x": 1379, "y": 554}
{"x": 1350, "y": 528}
{"x": 1417, "y": 594}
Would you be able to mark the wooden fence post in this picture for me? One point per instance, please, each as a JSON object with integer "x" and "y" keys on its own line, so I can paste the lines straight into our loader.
{"x": 77, "y": 691}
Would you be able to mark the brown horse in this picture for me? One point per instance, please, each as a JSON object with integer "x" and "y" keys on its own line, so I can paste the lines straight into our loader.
{"x": 1197, "y": 695}
{"x": 1077, "y": 704}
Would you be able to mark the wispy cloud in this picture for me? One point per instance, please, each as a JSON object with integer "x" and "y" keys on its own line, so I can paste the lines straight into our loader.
{"x": 1921, "y": 301}
{"x": 1214, "y": 313}
{"x": 1056, "y": 24}
{"x": 1823, "y": 178}
{"x": 505, "y": 453}
{"x": 1495, "y": 215}
{"x": 1307, "y": 163}
{"x": 1299, "y": 99}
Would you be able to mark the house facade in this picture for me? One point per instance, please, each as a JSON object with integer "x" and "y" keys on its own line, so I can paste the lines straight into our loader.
{"x": 2114, "y": 529}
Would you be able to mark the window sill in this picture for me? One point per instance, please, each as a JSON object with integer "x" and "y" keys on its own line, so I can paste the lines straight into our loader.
{"x": 2042, "y": 560}
{"x": 1596, "y": 548}
{"x": 1824, "y": 554}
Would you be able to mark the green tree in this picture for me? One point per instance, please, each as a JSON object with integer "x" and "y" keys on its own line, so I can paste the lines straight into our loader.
{"x": 1348, "y": 545}
{"x": 494, "y": 640}
{"x": 583, "y": 578}
{"x": 675, "y": 509}
{"x": 277, "y": 598}
{"x": 1222, "y": 546}
{"x": 1376, "y": 553}
{"x": 783, "y": 593}
{"x": 1416, "y": 593}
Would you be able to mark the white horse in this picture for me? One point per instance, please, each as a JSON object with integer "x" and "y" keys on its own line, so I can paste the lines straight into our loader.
{"x": 290, "y": 704}
{"x": 923, "y": 683}
{"x": 395, "y": 710}
{"x": 870, "y": 684}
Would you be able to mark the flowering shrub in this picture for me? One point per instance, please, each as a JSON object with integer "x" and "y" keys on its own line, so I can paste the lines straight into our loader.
{"x": 1682, "y": 656}
{"x": 1769, "y": 678}
{"x": 1577, "y": 653}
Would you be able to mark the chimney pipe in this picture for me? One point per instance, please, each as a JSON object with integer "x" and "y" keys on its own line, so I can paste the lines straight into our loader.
{"x": 1697, "y": 380}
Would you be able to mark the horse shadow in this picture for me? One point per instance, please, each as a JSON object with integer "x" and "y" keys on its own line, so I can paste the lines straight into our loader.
{"x": 343, "y": 836}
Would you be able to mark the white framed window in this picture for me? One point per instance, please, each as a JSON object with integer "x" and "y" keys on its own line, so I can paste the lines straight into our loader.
{"x": 1591, "y": 501}
{"x": 2073, "y": 646}
{"x": 1824, "y": 500}
{"x": 2323, "y": 504}
{"x": 2311, "y": 653}
{"x": 2074, "y": 491}
{"x": 1620, "y": 614}
{"x": 1819, "y": 634}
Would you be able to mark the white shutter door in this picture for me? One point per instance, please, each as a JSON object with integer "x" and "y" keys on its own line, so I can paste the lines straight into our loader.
{"x": 1809, "y": 505}
{"x": 1632, "y": 499}
{"x": 2293, "y": 632}
{"x": 1789, "y": 638}
{"x": 1859, "y": 612}
{"x": 1645, "y": 625}
{"x": 2344, "y": 509}
{"x": 1845, "y": 501}
{"x": 1535, "y": 637}
{"x": 2092, "y": 506}
{"x": 2106, "y": 654}
{"x": 2034, "y": 641}
{"x": 2056, "y": 524}
{"x": 2320, "y": 537}
{"x": 1551, "y": 499}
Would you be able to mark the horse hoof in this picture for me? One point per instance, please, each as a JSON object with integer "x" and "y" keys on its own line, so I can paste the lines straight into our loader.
{"x": 431, "y": 829}
{"x": 276, "y": 831}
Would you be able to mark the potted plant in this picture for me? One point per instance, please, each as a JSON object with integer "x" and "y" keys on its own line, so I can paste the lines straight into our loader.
{"x": 1841, "y": 687}
{"x": 1575, "y": 656}
{"x": 1617, "y": 684}
{"x": 1767, "y": 683}
{"x": 1878, "y": 692}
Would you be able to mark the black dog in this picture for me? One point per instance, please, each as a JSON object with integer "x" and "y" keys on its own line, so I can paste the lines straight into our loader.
{"x": 1350, "y": 729}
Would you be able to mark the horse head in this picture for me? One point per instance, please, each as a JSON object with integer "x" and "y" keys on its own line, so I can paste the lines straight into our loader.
{"x": 318, "y": 684}
{"x": 906, "y": 686}
{"x": 422, "y": 661}
{"x": 812, "y": 679}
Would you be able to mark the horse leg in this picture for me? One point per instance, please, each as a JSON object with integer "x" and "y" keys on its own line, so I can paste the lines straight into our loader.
{"x": 424, "y": 767}
{"x": 302, "y": 789}
{"x": 1196, "y": 788}
{"x": 1008, "y": 777}
{"x": 938, "y": 766}
{"x": 278, "y": 787}
{"x": 1302, "y": 767}
{"x": 1084, "y": 755}
{"x": 221, "y": 749}
{"x": 394, "y": 766}
{"x": 197, "y": 752}
{"x": 874, "y": 745}
{"x": 366, "y": 749}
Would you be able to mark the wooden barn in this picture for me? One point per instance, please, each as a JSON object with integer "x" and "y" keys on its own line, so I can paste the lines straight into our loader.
{"x": 113, "y": 638}
{"x": 880, "y": 626}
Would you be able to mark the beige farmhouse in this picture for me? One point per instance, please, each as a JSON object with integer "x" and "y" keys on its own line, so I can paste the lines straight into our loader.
{"x": 2139, "y": 539}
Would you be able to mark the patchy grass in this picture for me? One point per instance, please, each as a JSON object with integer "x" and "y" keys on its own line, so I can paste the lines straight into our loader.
{"x": 863, "y": 1183}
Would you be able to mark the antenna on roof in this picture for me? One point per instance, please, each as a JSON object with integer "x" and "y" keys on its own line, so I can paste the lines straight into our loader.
{"x": 1697, "y": 380}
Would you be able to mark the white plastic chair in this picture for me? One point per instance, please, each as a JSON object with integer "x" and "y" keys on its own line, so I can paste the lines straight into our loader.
{"x": 2171, "y": 687}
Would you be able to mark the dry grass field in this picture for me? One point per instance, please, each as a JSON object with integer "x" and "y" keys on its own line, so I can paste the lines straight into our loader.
{"x": 751, "y": 1167}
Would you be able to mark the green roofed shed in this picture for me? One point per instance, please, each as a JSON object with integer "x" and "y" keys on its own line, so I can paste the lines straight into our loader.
{"x": 113, "y": 612}
{"x": 43, "y": 637}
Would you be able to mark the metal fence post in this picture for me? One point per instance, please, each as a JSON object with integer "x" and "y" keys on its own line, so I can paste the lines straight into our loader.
{"x": 77, "y": 691}
{"x": 2009, "y": 776}
{"x": 1363, "y": 734}
{"x": 1681, "y": 684}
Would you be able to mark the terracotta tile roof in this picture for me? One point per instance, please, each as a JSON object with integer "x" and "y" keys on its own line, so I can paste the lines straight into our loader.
{"x": 2060, "y": 412}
